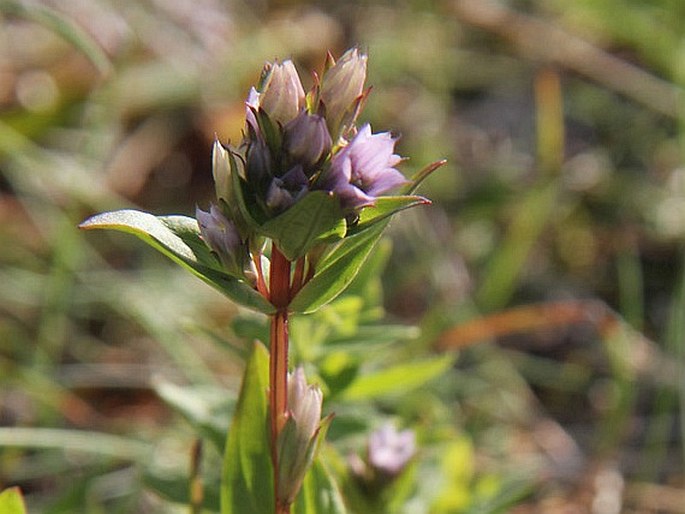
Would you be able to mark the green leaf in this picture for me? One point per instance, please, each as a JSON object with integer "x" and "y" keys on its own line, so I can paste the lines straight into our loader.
{"x": 206, "y": 408}
{"x": 247, "y": 475}
{"x": 176, "y": 489}
{"x": 385, "y": 207}
{"x": 12, "y": 501}
{"x": 316, "y": 218}
{"x": 178, "y": 237}
{"x": 337, "y": 270}
{"x": 241, "y": 211}
{"x": 397, "y": 379}
{"x": 319, "y": 494}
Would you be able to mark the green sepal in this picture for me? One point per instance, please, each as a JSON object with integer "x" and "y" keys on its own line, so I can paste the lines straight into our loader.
{"x": 228, "y": 187}
{"x": 178, "y": 237}
{"x": 12, "y": 501}
{"x": 247, "y": 472}
{"x": 314, "y": 219}
{"x": 337, "y": 269}
{"x": 247, "y": 213}
{"x": 384, "y": 207}
{"x": 294, "y": 461}
{"x": 270, "y": 131}
{"x": 320, "y": 493}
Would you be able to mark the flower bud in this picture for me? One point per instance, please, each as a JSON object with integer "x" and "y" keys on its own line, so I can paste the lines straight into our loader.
{"x": 258, "y": 164}
{"x": 286, "y": 190}
{"x": 297, "y": 441}
{"x": 341, "y": 88}
{"x": 251, "y": 106}
{"x": 222, "y": 237}
{"x": 281, "y": 92}
{"x": 221, "y": 169}
{"x": 390, "y": 451}
{"x": 306, "y": 141}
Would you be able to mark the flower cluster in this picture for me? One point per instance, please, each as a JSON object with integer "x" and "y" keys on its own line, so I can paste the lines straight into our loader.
{"x": 297, "y": 143}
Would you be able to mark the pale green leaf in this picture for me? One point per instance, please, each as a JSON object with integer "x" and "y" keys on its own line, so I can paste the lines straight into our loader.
{"x": 247, "y": 474}
{"x": 397, "y": 379}
{"x": 206, "y": 408}
{"x": 178, "y": 237}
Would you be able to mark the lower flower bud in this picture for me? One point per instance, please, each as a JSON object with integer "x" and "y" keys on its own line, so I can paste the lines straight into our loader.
{"x": 298, "y": 440}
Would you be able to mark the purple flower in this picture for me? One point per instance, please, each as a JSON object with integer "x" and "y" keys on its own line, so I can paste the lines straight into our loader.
{"x": 306, "y": 141}
{"x": 363, "y": 170}
{"x": 286, "y": 190}
{"x": 252, "y": 106}
{"x": 258, "y": 163}
{"x": 389, "y": 451}
{"x": 222, "y": 237}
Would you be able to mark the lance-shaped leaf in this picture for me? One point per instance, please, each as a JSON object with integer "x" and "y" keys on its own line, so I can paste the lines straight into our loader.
{"x": 247, "y": 474}
{"x": 337, "y": 270}
{"x": 398, "y": 379}
{"x": 316, "y": 218}
{"x": 384, "y": 207}
{"x": 178, "y": 237}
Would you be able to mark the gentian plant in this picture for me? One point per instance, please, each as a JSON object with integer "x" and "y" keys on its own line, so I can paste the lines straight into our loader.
{"x": 300, "y": 203}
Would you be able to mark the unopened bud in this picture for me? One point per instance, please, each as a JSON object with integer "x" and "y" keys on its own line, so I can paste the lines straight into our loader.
{"x": 341, "y": 88}
{"x": 258, "y": 164}
{"x": 281, "y": 92}
{"x": 297, "y": 441}
{"x": 222, "y": 237}
{"x": 306, "y": 141}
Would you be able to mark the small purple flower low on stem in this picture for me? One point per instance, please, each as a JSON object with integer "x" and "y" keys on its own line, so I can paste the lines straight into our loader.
{"x": 390, "y": 451}
{"x": 388, "y": 454}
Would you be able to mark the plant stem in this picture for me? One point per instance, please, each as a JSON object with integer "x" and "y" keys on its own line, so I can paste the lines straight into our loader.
{"x": 278, "y": 357}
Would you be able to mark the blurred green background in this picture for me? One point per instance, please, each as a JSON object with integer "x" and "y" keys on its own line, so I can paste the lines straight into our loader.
{"x": 555, "y": 238}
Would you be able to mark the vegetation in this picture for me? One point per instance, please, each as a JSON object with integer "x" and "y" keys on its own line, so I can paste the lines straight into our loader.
{"x": 528, "y": 326}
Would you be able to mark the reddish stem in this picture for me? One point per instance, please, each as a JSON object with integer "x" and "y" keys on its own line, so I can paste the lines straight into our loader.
{"x": 278, "y": 357}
